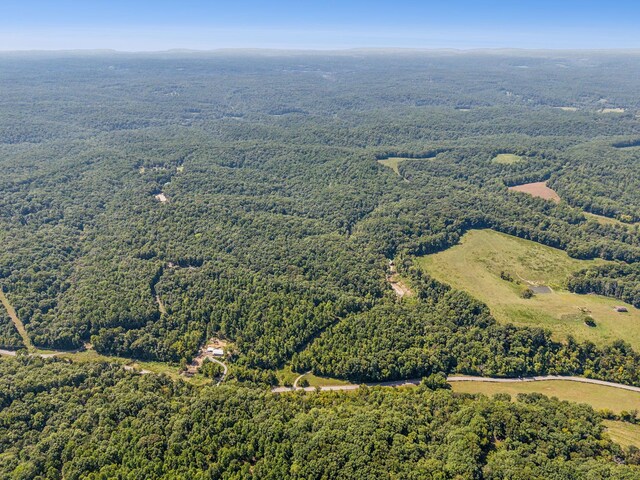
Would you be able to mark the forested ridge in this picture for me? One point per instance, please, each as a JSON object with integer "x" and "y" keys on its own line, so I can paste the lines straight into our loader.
{"x": 242, "y": 192}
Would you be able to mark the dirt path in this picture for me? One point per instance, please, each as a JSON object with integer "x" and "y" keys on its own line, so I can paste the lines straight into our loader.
{"x": 130, "y": 368}
{"x": 295, "y": 382}
{"x": 161, "y": 306}
{"x": 416, "y": 381}
{"x": 224, "y": 373}
{"x": 16, "y": 321}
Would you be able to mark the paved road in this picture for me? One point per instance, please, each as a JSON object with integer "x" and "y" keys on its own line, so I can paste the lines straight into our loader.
{"x": 416, "y": 381}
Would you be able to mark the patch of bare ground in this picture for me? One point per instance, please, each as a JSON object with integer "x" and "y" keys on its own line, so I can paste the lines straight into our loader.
{"x": 537, "y": 189}
{"x": 161, "y": 197}
{"x": 401, "y": 289}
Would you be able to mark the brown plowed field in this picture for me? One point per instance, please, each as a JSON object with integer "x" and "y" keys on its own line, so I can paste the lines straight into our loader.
{"x": 537, "y": 189}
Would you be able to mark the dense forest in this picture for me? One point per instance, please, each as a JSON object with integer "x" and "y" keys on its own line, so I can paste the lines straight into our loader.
{"x": 278, "y": 221}
{"x": 60, "y": 420}
{"x": 151, "y": 202}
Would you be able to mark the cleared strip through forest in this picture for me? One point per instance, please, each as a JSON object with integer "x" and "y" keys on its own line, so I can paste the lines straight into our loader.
{"x": 16, "y": 321}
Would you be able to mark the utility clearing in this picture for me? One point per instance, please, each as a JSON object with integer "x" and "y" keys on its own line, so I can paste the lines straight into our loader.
{"x": 496, "y": 268}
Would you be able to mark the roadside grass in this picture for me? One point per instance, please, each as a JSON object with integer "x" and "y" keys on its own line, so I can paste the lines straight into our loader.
{"x": 507, "y": 159}
{"x": 315, "y": 381}
{"x": 623, "y": 433}
{"x": 87, "y": 356}
{"x": 600, "y": 397}
{"x": 286, "y": 376}
{"x": 475, "y": 266}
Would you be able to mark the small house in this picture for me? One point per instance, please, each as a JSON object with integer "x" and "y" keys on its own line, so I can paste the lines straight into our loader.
{"x": 216, "y": 352}
{"x": 620, "y": 309}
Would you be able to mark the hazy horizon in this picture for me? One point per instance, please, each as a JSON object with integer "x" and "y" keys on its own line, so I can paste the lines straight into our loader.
{"x": 286, "y": 25}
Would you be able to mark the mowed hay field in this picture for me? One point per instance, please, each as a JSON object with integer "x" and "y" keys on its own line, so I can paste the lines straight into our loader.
{"x": 475, "y": 266}
{"x": 623, "y": 433}
{"x": 599, "y": 397}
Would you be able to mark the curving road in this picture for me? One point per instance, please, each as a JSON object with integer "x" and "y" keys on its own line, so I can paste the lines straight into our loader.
{"x": 295, "y": 382}
{"x": 224, "y": 373}
{"x": 416, "y": 381}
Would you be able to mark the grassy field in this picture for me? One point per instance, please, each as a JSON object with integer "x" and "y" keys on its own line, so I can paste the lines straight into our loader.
{"x": 507, "y": 158}
{"x": 286, "y": 376}
{"x": 598, "y": 396}
{"x": 623, "y": 433}
{"x": 475, "y": 266}
{"x": 607, "y": 220}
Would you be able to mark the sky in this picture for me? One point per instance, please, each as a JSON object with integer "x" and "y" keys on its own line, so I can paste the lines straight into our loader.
{"x": 145, "y": 25}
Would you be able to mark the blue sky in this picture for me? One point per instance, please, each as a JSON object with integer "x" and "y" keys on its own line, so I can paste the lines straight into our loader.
{"x": 136, "y": 25}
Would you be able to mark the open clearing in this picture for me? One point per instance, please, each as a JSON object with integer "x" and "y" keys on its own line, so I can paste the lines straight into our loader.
{"x": 161, "y": 197}
{"x": 507, "y": 159}
{"x": 394, "y": 162}
{"x": 612, "y": 110}
{"x": 598, "y": 396}
{"x": 398, "y": 285}
{"x": 623, "y": 433}
{"x": 475, "y": 266}
{"x": 537, "y": 189}
{"x": 567, "y": 109}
